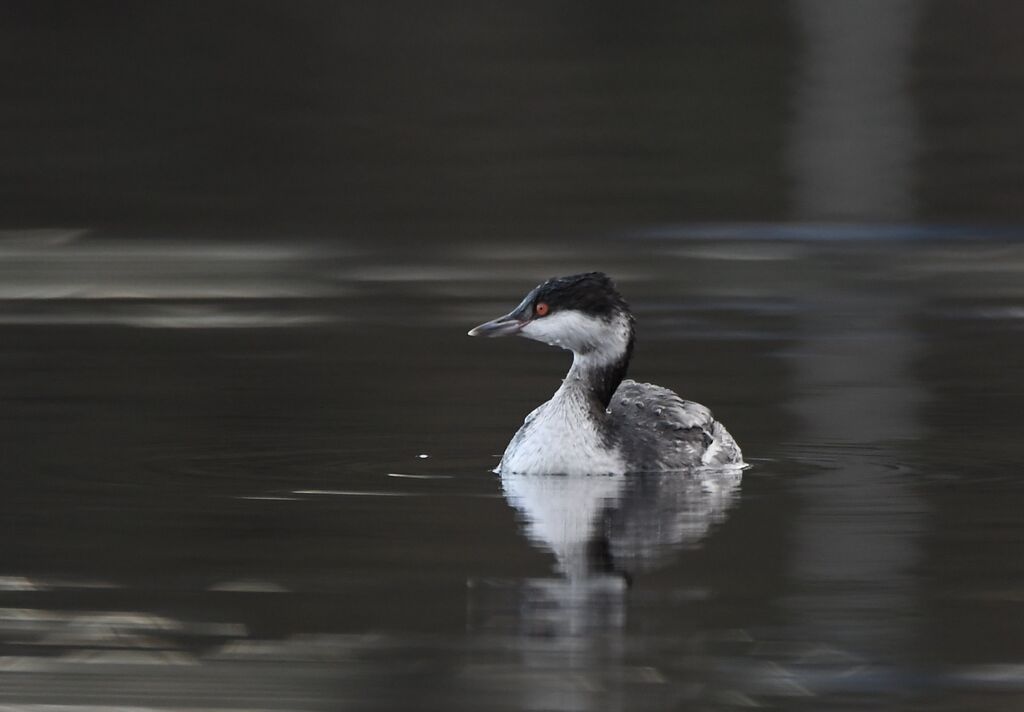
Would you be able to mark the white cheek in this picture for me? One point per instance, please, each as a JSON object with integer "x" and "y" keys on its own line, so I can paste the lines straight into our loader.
{"x": 569, "y": 330}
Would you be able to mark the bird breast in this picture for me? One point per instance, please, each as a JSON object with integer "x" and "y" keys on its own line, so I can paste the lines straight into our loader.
{"x": 561, "y": 437}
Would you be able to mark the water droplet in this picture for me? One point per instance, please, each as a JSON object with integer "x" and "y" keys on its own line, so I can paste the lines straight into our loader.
{"x": 422, "y": 456}
{"x": 658, "y": 411}
{"x": 640, "y": 405}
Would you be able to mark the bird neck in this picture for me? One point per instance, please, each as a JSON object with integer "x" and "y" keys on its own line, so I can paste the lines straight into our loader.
{"x": 596, "y": 374}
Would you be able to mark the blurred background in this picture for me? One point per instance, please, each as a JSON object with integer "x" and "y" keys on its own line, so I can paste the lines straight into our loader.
{"x": 246, "y": 445}
{"x": 370, "y": 120}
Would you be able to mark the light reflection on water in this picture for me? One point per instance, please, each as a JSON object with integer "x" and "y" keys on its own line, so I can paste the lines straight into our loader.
{"x": 80, "y": 279}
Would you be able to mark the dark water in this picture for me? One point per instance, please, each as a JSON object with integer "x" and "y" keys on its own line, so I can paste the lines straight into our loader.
{"x": 246, "y": 445}
{"x": 275, "y": 494}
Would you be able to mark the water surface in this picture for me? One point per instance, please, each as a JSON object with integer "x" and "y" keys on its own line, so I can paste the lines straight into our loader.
{"x": 275, "y": 492}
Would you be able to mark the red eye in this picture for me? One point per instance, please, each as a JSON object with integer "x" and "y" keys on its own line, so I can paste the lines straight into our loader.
{"x": 541, "y": 308}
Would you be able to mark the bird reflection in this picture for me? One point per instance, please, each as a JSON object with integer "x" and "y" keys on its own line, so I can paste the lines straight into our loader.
{"x": 602, "y": 526}
{"x": 565, "y": 641}
{"x": 604, "y": 530}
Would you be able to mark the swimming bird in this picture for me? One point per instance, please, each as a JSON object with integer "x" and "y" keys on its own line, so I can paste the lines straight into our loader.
{"x": 597, "y": 422}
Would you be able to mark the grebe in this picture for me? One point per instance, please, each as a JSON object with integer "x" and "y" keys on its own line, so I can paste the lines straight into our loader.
{"x": 596, "y": 422}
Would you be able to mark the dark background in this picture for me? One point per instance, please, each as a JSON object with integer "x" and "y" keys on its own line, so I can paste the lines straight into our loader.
{"x": 452, "y": 119}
